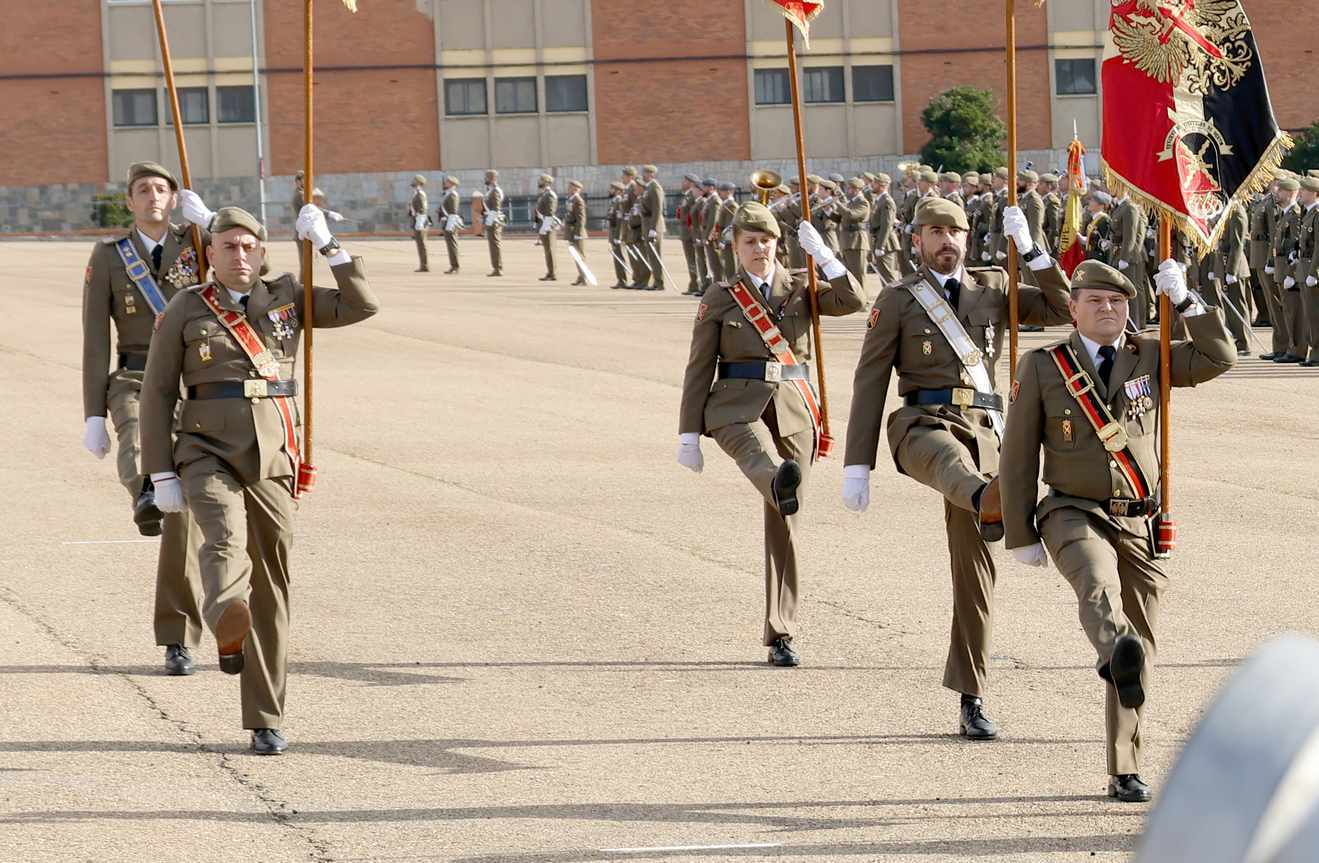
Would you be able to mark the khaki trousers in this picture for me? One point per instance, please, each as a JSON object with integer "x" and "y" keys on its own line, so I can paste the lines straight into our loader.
{"x": 547, "y": 244}
{"x": 855, "y": 261}
{"x": 494, "y": 237}
{"x": 1273, "y": 292}
{"x": 422, "y": 260}
{"x": 247, "y": 531}
{"x": 1310, "y": 304}
{"x": 639, "y": 258}
{"x": 887, "y": 265}
{"x": 714, "y": 262}
{"x": 619, "y": 255}
{"x": 702, "y": 266}
{"x": 176, "y": 617}
{"x": 689, "y": 252}
{"x": 653, "y": 249}
{"x": 579, "y": 244}
{"x": 451, "y": 246}
{"x": 1298, "y": 328}
{"x": 750, "y": 445}
{"x": 1118, "y": 589}
{"x": 942, "y": 460}
{"x": 1235, "y": 294}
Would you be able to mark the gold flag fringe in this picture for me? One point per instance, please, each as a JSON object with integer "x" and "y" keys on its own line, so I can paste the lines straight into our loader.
{"x": 351, "y": 5}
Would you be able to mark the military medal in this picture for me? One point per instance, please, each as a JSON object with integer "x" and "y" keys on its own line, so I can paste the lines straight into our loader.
{"x": 1139, "y": 396}
{"x": 204, "y": 352}
{"x": 927, "y": 347}
{"x": 1067, "y": 431}
{"x": 283, "y": 318}
{"x": 989, "y": 340}
{"x": 874, "y": 318}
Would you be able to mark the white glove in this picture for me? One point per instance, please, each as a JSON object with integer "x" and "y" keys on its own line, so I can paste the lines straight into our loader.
{"x": 95, "y": 439}
{"x": 616, "y": 242}
{"x": 1268, "y": 268}
{"x": 1311, "y": 281}
{"x": 689, "y": 452}
{"x": 194, "y": 208}
{"x": 1014, "y": 225}
{"x": 1213, "y": 278}
{"x": 1122, "y": 265}
{"x": 1230, "y": 279}
{"x": 813, "y": 244}
{"x": 333, "y": 216}
{"x": 985, "y": 256}
{"x": 453, "y": 223}
{"x": 1288, "y": 283}
{"x": 168, "y": 493}
{"x": 546, "y": 226}
{"x": 311, "y": 226}
{"x": 652, "y": 234}
{"x": 1105, "y": 244}
{"x": 1171, "y": 282}
{"x": 1002, "y": 256}
{"x": 856, "y": 487}
{"x": 1032, "y": 555}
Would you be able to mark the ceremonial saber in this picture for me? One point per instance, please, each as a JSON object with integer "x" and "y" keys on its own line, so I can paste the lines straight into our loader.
{"x": 167, "y": 66}
{"x": 1014, "y": 310}
{"x": 1165, "y": 531}
{"x": 654, "y": 251}
{"x": 1227, "y": 301}
{"x": 582, "y": 268}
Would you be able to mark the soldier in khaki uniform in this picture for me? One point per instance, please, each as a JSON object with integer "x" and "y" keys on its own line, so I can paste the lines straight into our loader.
{"x": 950, "y": 188}
{"x": 419, "y": 213}
{"x": 164, "y": 256}
{"x": 574, "y": 224}
{"x": 633, "y": 240}
{"x": 998, "y": 241}
{"x": 232, "y": 465}
{"x": 1098, "y": 234}
{"x": 1032, "y": 205}
{"x": 547, "y": 221}
{"x": 854, "y": 229}
{"x": 1095, "y": 520}
{"x": 736, "y": 391}
{"x": 884, "y": 231}
{"x": 1129, "y": 225}
{"x": 1286, "y": 312}
{"x": 651, "y": 205}
{"x": 925, "y": 182}
{"x": 1261, "y": 228}
{"x": 451, "y": 220}
{"x": 789, "y": 216}
{"x": 1305, "y": 275}
{"x": 493, "y": 215}
{"x": 825, "y": 214}
{"x": 722, "y": 231}
{"x": 713, "y": 244}
{"x": 1053, "y": 211}
{"x": 617, "y": 217}
{"x": 1232, "y": 277}
{"x": 974, "y": 206}
{"x": 691, "y": 188}
{"x": 946, "y": 435}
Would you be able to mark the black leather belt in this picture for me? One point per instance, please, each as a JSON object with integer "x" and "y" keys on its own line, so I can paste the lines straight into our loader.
{"x": 766, "y": 371}
{"x": 133, "y": 362}
{"x": 1123, "y": 507}
{"x": 963, "y": 397}
{"x": 252, "y": 388}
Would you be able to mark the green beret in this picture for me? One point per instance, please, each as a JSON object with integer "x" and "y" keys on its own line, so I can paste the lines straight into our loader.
{"x": 228, "y": 218}
{"x": 1001, "y": 173}
{"x": 1028, "y": 175}
{"x": 882, "y": 178}
{"x": 138, "y": 170}
{"x": 940, "y": 211}
{"x": 1101, "y": 277}
{"x": 951, "y": 176}
{"x": 1289, "y": 184}
{"x": 1049, "y": 178}
{"x": 868, "y": 175}
{"x": 649, "y": 169}
{"x": 856, "y": 183}
{"x": 755, "y": 216}
{"x": 971, "y": 177}
{"x": 928, "y": 176}
{"x": 813, "y": 178}
{"x": 1310, "y": 184}
{"x": 546, "y": 179}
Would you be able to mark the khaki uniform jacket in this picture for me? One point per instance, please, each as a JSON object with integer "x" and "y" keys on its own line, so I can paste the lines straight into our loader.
{"x": 1098, "y": 232}
{"x": 1286, "y": 235}
{"x": 789, "y": 215}
{"x": 1032, "y": 207}
{"x": 901, "y": 337}
{"x": 109, "y": 294}
{"x": 883, "y": 224}
{"x": 824, "y": 218}
{"x": 722, "y": 333}
{"x": 1077, "y": 468}
{"x": 616, "y": 217}
{"x": 1129, "y": 237}
{"x": 998, "y": 242}
{"x": 494, "y": 200}
{"x": 1053, "y": 221}
{"x": 854, "y": 224}
{"x": 723, "y": 218}
{"x": 245, "y": 434}
{"x": 418, "y": 206}
{"x": 652, "y": 210}
{"x": 450, "y": 204}
{"x": 1232, "y": 247}
{"x": 546, "y": 206}
{"x": 299, "y": 201}
{"x": 684, "y": 212}
{"x": 574, "y": 222}
{"x": 710, "y": 216}
{"x": 1261, "y": 219}
{"x": 632, "y": 227}
{"x": 1306, "y": 257}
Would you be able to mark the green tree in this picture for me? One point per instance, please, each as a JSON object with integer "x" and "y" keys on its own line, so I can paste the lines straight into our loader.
{"x": 1306, "y": 152}
{"x": 965, "y": 133}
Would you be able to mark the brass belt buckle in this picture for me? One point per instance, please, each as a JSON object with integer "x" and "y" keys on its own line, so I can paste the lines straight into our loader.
{"x": 773, "y": 372}
{"x": 1119, "y": 508}
{"x": 963, "y": 397}
{"x": 256, "y": 388}
{"x": 1114, "y": 437}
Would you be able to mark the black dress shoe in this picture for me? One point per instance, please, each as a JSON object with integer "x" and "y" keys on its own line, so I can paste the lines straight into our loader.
{"x": 493, "y": 273}
{"x": 783, "y": 654}
{"x": 1030, "y": 328}
{"x": 1129, "y": 788}
{"x": 145, "y": 514}
{"x": 972, "y": 722}
{"x": 1287, "y": 358}
{"x": 989, "y": 512}
{"x": 1269, "y": 356}
{"x": 450, "y": 271}
{"x": 1124, "y": 668}
{"x": 786, "y": 482}
{"x": 178, "y": 660}
{"x": 268, "y": 741}
{"x": 579, "y": 282}
{"x": 548, "y": 279}
{"x": 617, "y": 286}
{"x": 1243, "y": 352}
{"x": 231, "y": 630}
{"x": 1309, "y": 364}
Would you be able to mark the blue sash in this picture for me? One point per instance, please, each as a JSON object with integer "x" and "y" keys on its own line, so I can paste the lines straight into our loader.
{"x": 140, "y": 273}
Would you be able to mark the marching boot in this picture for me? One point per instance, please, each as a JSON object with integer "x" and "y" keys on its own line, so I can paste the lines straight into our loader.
{"x": 231, "y": 630}
{"x": 990, "y": 512}
{"x": 145, "y": 514}
{"x": 1124, "y": 668}
{"x": 782, "y": 654}
{"x": 1129, "y": 788}
{"x": 786, "y": 482}
{"x": 268, "y": 741}
{"x": 972, "y": 722}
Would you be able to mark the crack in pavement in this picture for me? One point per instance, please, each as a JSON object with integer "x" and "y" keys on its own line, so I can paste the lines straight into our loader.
{"x": 281, "y": 813}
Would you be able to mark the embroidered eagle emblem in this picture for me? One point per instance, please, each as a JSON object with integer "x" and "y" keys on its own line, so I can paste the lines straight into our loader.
{"x": 1195, "y": 43}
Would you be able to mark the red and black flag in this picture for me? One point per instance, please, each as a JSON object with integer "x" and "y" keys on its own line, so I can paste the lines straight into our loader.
{"x": 800, "y": 13}
{"x": 1188, "y": 126}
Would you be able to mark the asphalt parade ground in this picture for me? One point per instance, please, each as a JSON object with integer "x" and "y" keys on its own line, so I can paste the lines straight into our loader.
{"x": 521, "y": 632}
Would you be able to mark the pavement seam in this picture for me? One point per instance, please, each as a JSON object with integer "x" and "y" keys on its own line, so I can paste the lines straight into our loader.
{"x": 281, "y": 813}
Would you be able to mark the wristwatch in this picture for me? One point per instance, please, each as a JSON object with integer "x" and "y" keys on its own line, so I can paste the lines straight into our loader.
{"x": 329, "y": 248}
{"x": 1184, "y": 304}
{"x": 1035, "y": 252}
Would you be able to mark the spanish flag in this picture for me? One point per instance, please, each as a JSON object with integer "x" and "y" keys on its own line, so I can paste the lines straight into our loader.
{"x": 1070, "y": 250}
{"x": 800, "y": 13}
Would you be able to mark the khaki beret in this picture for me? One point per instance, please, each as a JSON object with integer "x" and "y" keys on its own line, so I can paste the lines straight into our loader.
{"x": 138, "y": 170}
{"x": 755, "y": 216}
{"x": 575, "y": 184}
{"x": 1101, "y": 196}
{"x": 883, "y": 179}
{"x": 1028, "y": 175}
{"x": 838, "y": 178}
{"x": 1001, "y": 172}
{"x": 971, "y": 177}
{"x": 830, "y": 185}
{"x": 709, "y": 181}
{"x": 782, "y": 189}
{"x": 492, "y": 173}
{"x": 228, "y": 218}
{"x": 629, "y": 171}
{"x": 419, "y": 180}
{"x": 1289, "y": 184}
{"x": 450, "y": 180}
{"x": 649, "y": 169}
{"x": 925, "y": 167}
{"x": 726, "y": 186}
{"x": 940, "y": 211}
{"x": 691, "y": 178}
{"x": 813, "y": 178}
{"x": 928, "y": 177}
{"x": 856, "y": 183}
{"x": 868, "y": 175}
{"x": 1101, "y": 277}
{"x": 546, "y": 178}
{"x": 795, "y": 181}
{"x": 616, "y": 185}
{"x": 1310, "y": 184}
{"x": 951, "y": 177}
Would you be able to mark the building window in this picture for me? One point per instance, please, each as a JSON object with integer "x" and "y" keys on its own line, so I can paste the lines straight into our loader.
{"x": 872, "y": 83}
{"x": 823, "y": 84}
{"x": 464, "y": 96}
{"x": 565, "y": 92}
{"x": 1075, "y": 77}
{"x": 194, "y": 106}
{"x": 773, "y": 87}
{"x": 515, "y": 95}
{"x": 135, "y": 108}
{"x": 236, "y": 104}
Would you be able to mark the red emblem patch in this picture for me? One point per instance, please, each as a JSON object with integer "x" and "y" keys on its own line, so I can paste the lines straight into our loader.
{"x": 874, "y": 318}
{"x": 1016, "y": 391}
{"x": 701, "y": 310}
{"x": 87, "y": 278}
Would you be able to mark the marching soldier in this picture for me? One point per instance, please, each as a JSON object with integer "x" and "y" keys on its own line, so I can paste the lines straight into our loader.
{"x": 574, "y": 224}
{"x": 1096, "y": 519}
{"x": 1032, "y": 206}
{"x": 747, "y": 385}
{"x": 419, "y": 212}
{"x": 633, "y": 240}
{"x": 703, "y": 191}
{"x": 1261, "y": 230}
{"x": 941, "y": 329}
{"x": 789, "y": 216}
{"x": 130, "y": 279}
{"x": 722, "y": 232}
{"x": 884, "y": 231}
{"x": 1284, "y": 297}
{"x": 1305, "y": 283}
{"x": 1128, "y": 226}
{"x": 547, "y": 205}
{"x": 714, "y": 200}
{"x": 651, "y": 204}
{"x": 998, "y": 241}
{"x": 233, "y": 344}
{"x": 1053, "y": 212}
{"x": 451, "y": 220}
{"x": 1234, "y": 272}
{"x": 493, "y": 215}
{"x": 824, "y": 213}
{"x": 691, "y": 189}
{"x": 974, "y": 207}
{"x": 950, "y": 188}
{"x": 1098, "y": 237}
{"x": 617, "y": 216}
{"x": 854, "y": 230}
{"x": 925, "y": 181}
{"x": 296, "y": 205}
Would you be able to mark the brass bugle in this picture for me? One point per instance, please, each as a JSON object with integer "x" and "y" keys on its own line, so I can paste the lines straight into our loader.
{"x": 765, "y": 182}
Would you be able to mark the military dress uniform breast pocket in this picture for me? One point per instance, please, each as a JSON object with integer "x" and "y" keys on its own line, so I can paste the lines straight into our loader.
{"x": 205, "y": 341}
{"x": 1064, "y": 424}
{"x": 127, "y": 300}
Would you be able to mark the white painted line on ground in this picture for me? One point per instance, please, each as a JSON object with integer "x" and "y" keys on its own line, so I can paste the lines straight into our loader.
{"x": 663, "y": 848}
{"x": 105, "y": 541}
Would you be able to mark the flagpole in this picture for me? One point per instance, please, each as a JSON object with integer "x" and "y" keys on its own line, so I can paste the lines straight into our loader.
{"x": 826, "y": 440}
{"x": 168, "y": 66}
{"x": 308, "y": 260}
{"x": 1013, "y": 277}
{"x": 1166, "y": 534}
